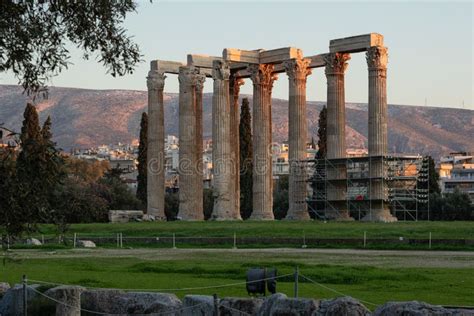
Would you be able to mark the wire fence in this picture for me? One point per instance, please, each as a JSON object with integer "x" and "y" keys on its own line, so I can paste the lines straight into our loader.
{"x": 234, "y": 241}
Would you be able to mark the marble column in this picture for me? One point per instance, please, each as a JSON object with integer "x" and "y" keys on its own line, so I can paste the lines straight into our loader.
{"x": 234, "y": 90}
{"x": 262, "y": 77}
{"x": 336, "y": 64}
{"x": 188, "y": 208}
{"x": 156, "y": 146}
{"x": 297, "y": 70}
{"x": 199, "y": 187}
{"x": 377, "y": 59}
{"x": 222, "y": 164}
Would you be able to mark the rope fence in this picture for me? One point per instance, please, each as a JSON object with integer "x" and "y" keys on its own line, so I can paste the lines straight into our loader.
{"x": 169, "y": 289}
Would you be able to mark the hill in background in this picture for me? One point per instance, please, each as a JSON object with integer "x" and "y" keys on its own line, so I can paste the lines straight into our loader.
{"x": 87, "y": 118}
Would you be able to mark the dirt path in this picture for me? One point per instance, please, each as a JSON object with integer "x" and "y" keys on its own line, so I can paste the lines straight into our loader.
{"x": 379, "y": 258}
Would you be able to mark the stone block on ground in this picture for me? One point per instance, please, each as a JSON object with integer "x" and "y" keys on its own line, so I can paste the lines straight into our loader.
{"x": 202, "y": 305}
{"x": 342, "y": 306}
{"x": 33, "y": 242}
{"x": 4, "y": 287}
{"x": 101, "y": 301}
{"x": 12, "y": 301}
{"x": 234, "y": 306}
{"x": 269, "y": 301}
{"x": 70, "y": 298}
{"x": 415, "y": 308}
{"x": 85, "y": 244}
{"x": 131, "y": 303}
{"x": 294, "y": 307}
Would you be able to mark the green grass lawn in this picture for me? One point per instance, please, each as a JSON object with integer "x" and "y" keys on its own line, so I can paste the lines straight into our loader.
{"x": 375, "y": 284}
{"x": 311, "y": 229}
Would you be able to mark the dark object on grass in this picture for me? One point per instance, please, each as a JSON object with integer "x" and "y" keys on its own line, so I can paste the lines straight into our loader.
{"x": 259, "y": 280}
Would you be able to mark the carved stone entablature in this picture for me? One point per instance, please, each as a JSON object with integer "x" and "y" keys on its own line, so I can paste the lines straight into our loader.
{"x": 297, "y": 69}
{"x": 377, "y": 57}
{"x": 220, "y": 70}
{"x": 155, "y": 80}
{"x": 336, "y": 63}
{"x": 263, "y": 74}
{"x": 188, "y": 76}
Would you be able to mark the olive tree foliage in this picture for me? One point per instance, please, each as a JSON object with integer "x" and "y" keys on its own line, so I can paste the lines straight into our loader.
{"x": 34, "y": 37}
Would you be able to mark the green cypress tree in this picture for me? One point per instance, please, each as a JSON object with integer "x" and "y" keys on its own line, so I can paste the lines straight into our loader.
{"x": 317, "y": 185}
{"x": 53, "y": 173}
{"x": 433, "y": 177}
{"x": 142, "y": 160}
{"x": 29, "y": 167}
{"x": 246, "y": 165}
{"x": 46, "y": 133}
{"x": 322, "y": 137}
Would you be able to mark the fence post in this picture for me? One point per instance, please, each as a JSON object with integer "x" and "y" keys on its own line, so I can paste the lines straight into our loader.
{"x": 235, "y": 241}
{"x": 304, "y": 240}
{"x": 430, "y": 241}
{"x": 365, "y": 238}
{"x": 121, "y": 240}
{"x": 75, "y": 238}
{"x": 25, "y": 295}
{"x": 216, "y": 305}
{"x": 42, "y": 239}
{"x": 174, "y": 241}
{"x": 296, "y": 281}
{"x": 8, "y": 242}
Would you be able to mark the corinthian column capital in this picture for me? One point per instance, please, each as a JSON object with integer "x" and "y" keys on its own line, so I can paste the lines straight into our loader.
{"x": 155, "y": 80}
{"x": 200, "y": 79}
{"x": 220, "y": 70}
{"x": 336, "y": 63}
{"x": 377, "y": 57}
{"x": 188, "y": 76}
{"x": 262, "y": 74}
{"x": 235, "y": 84}
{"x": 297, "y": 69}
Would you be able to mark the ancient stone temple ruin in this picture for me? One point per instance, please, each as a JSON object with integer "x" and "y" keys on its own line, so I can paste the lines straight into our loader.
{"x": 262, "y": 67}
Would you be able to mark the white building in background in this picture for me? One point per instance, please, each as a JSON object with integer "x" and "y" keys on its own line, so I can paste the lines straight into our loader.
{"x": 456, "y": 172}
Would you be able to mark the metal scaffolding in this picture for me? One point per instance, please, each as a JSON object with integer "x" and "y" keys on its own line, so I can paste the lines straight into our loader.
{"x": 399, "y": 182}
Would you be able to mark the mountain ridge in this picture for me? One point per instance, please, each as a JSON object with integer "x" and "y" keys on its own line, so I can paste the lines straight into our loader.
{"x": 87, "y": 118}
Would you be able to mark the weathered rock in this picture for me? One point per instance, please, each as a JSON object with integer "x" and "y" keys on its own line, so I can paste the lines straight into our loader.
{"x": 342, "y": 306}
{"x": 85, "y": 244}
{"x": 146, "y": 303}
{"x": 33, "y": 242}
{"x": 12, "y": 301}
{"x": 101, "y": 301}
{"x": 4, "y": 287}
{"x": 202, "y": 305}
{"x": 121, "y": 303}
{"x": 294, "y": 306}
{"x": 70, "y": 298}
{"x": 231, "y": 306}
{"x": 266, "y": 307}
{"x": 415, "y": 308}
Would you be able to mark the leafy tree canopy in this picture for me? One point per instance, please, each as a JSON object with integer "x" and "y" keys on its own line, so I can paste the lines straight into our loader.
{"x": 34, "y": 34}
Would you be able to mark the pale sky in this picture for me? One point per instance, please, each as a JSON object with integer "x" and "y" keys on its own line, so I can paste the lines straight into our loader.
{"x": 430, "y": 44}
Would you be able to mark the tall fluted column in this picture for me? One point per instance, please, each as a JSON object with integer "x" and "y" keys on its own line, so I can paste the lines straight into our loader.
{"x": 188, "y": 208}
{"x": 199, "y": 188}
{"x": 262, "y": 77}
{"x": 297, "y": 71}
{"x": 222, "y": 164}
{"x": 336, "y": 64}
{"x": 156, "y": 146}
{"x": 234, "y": 90}
{"x": 377, "y": 59}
